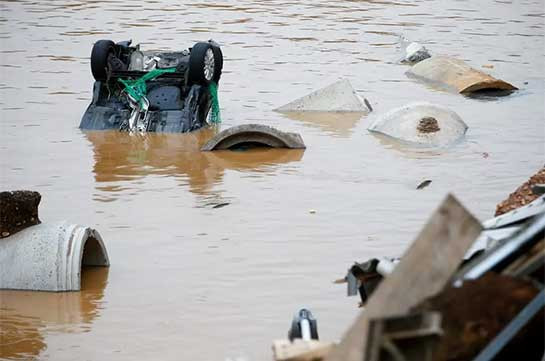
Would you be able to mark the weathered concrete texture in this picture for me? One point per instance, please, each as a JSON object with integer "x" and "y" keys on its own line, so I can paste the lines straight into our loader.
{"x": 337, "y": 97}
{"x": 456, "y": 74}
{"x": 254, "y": 134}
{"x": 18, "y": 210}
{"x": 522, "y": 195}
{"x": 49, "y": 257}
{"x": 423, "y": 124}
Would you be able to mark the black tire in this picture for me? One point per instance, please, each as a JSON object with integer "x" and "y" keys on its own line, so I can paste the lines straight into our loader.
{"x": 200, "y": 70}
{"x": 218, "y": 56}
{"x": 99, "y": 58}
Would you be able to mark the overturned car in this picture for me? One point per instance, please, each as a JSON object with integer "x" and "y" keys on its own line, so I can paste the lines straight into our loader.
{"x": 139, "y": 91}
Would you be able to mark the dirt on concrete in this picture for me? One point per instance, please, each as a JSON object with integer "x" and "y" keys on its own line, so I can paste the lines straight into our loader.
{"x": 428, "y": 125}
{"x": 18, "y": 210}
{"x": 522, "y": 195}
{"x": 472, "y": 315}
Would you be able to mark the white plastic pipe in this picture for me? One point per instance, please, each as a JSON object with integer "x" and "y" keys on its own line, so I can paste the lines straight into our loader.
{"x": 305, "y": 330}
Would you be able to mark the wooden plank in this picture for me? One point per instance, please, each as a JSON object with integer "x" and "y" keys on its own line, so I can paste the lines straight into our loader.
{"x": 423, "y": 271}
{"x": 300, "y": 350}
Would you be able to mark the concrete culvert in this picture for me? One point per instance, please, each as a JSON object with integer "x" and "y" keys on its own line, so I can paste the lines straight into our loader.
{"x": 457, "y": 75}
{"x": 50, "y": 257}
{"x": 422, "y": 124}
{"x": 253, "y": 135}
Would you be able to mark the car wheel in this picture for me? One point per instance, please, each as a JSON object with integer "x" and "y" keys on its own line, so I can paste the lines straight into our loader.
{"x": 218, "y": 56}
{"x": 203, "y": 64}
{"x": 99, "y": 58}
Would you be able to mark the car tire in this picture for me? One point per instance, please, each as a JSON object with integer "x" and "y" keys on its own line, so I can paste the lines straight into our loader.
{"x": 218, "y": 56}
{"x": 204, "y": 65}
{"x": 99, "y": 58}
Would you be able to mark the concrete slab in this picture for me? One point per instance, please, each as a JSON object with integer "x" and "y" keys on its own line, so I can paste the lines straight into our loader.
{"x": 254, "y": 134}
{"x": 49, "y": 257}
{"x": 422, "y": 124}
{"x": 456, "y": 75}
{"x": 337, "y": 97}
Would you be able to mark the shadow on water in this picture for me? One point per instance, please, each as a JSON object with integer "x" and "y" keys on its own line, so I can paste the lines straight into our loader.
{"x": 489, "y": 94}
{"x": 124, "y": 157}
{"x": 25, "y": 314}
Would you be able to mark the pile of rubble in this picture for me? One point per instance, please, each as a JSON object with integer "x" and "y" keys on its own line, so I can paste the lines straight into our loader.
{"x": 464, "y": 290}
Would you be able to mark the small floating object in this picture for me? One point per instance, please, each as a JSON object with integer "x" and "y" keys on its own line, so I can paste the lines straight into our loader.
{"x": 422, "y": 124}
{"x": 457, "y": 75}
{"x": 337, "y": 97}
{"x": 312, "y": 211}
{"x": 220, "y": 205}
{"x": 254, "y": 135}
{"x": 424, "y": 184}
{"x": 415, "y": 53}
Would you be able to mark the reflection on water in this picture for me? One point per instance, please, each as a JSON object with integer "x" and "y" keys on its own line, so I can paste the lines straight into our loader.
{"x": 121, "y": 156}
{"x": 409, "y": 150}
{"x": 340, "y": 124}
{"x": 25, "y": 314}
{"x": 202, "y": 275}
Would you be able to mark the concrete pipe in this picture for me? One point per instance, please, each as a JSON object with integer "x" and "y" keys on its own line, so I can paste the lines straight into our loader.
{"x": 49, "y": 257}
{"x": 254, "y": 134}
{"x": 421, "y": 124}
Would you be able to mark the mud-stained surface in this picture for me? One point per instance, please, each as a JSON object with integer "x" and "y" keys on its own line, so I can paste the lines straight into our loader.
{"x": 523, "y": 195}
{"x": 213, "y": 253}
{"x": 428, "y": 125}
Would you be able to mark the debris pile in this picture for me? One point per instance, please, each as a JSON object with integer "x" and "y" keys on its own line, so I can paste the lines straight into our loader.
{"x": 428, "y": 125}
{"x": 18, "y": 210}
{"x": 464, "y": 290}
{"x": 524, "y": 194}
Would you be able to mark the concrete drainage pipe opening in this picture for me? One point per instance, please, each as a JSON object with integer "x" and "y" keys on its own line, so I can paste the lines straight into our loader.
{"x": 50, "y": 257}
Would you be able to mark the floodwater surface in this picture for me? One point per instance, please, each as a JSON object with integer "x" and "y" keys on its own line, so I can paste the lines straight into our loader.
{"x": 212, "y": 253}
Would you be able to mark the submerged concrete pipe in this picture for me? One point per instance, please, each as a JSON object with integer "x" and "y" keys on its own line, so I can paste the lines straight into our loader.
{"x": 457, "y": 75}
{"x": 254, "y": 134}
{"x": 50, "y": 257}
{"x": 422, "y": 124}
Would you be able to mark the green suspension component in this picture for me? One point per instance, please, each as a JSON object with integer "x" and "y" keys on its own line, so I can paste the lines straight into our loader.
{"x": 137, "y": 88}
{"x": 215, "y": 117}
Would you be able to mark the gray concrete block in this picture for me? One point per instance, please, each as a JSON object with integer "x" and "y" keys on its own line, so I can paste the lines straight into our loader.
{"x": 337, "y": 97}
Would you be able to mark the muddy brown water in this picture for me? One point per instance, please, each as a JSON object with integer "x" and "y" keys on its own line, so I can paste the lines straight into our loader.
{"x": 192, "y": 282}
